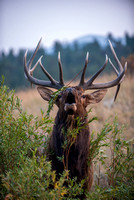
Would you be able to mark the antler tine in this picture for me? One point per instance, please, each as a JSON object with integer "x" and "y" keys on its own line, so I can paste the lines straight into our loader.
{"x": 47, "y": 74}
{"x": 117, "y": 91}
{"x": 116, "y": 71}
{"x": 60, "y": 69}
{"x": 115, "y": 56}
{"x": 97, "y": 73}
{"x": 84, "y": 71}
{"x": 29, "y": 72}
{"x": 34, "y": 67}
{"x": 25, "y": 61}
{"x": 118, "y": 86}
{"x": 33, "y": 55}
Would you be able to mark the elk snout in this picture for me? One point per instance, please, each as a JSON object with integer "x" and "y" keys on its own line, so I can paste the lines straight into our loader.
{"x": 70, "y": 108}
{"x": 70, "y": 104}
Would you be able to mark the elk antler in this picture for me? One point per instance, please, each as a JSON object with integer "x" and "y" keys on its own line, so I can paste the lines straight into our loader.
{"x": 29, "y": 72}
{"x": 120, "y": 75}
{"x": 85, "y": 85}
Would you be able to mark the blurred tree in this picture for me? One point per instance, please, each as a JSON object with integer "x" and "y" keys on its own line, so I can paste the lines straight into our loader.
{"x": 76, "y": 46}
{"x": 111, "y": 37}
{"x": 130, "y": 63}
{"x": 57, "y": 47}
{"x": 130, "y": 42}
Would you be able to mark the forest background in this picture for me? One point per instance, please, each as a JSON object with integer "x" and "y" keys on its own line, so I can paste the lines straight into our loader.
{"x": 72, "y": 56}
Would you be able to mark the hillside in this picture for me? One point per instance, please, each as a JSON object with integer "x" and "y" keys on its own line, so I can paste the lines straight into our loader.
{"x": 102, "y": 40}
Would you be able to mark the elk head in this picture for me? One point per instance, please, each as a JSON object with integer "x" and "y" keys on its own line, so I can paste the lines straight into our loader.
{"x": 73, "y": 99}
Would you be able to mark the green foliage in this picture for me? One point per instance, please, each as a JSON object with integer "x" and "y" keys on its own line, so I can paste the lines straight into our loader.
{"x": 25, "y": 172}
{"x": 52, "y": 100}
{"x": 33, "y": 179}
{"x": 99, "y": 142}
{"x": 70, "y": 137}
{"x": 118, "y": 166}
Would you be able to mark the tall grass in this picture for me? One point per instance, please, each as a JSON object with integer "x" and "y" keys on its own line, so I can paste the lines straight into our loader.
{"x": 25, "y": 172}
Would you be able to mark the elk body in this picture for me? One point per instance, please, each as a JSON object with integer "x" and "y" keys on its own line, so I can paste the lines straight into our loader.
{"x": 72, "y": 103}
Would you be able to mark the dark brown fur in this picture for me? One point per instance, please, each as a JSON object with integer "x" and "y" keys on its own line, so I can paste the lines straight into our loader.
{"x": 79, "y": 151}
{"x": 72, "y": 104}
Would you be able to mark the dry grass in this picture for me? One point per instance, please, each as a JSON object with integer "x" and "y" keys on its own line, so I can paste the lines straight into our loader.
{"x": 123, "y": 107}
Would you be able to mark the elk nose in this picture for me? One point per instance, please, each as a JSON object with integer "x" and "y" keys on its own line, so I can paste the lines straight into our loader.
{"x": 70, "y": 98}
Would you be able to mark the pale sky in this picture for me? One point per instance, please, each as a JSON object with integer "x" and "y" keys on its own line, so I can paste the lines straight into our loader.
{"x": 23, "y": 22}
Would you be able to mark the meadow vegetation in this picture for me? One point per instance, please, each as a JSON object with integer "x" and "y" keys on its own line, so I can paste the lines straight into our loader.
{"x": 25, "y": 173}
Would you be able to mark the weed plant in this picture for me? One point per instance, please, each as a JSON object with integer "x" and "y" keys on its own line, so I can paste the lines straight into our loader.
{"x": 25, "y": 172}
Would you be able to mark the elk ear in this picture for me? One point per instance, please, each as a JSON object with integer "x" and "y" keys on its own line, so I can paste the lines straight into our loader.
{"x": 96, "y": 96}
{"x": 45, "y": 93}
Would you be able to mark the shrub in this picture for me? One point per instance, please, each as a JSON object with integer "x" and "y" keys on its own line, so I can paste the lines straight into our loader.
{"x": 25, "y": 173}
{"x": 118, "y": 166}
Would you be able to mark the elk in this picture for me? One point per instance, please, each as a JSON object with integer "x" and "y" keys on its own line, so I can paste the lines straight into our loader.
{"x": 72, "y": 103}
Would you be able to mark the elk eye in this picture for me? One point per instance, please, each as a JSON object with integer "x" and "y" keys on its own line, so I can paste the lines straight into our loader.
{"x": 83, "y": 96}
{"x": 59, "y": 96}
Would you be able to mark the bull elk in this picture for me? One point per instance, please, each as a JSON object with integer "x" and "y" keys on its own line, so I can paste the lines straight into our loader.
{"x": 72, "y": 103}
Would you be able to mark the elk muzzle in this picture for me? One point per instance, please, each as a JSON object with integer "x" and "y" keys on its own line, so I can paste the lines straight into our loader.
{"x": 70, "y": 104}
